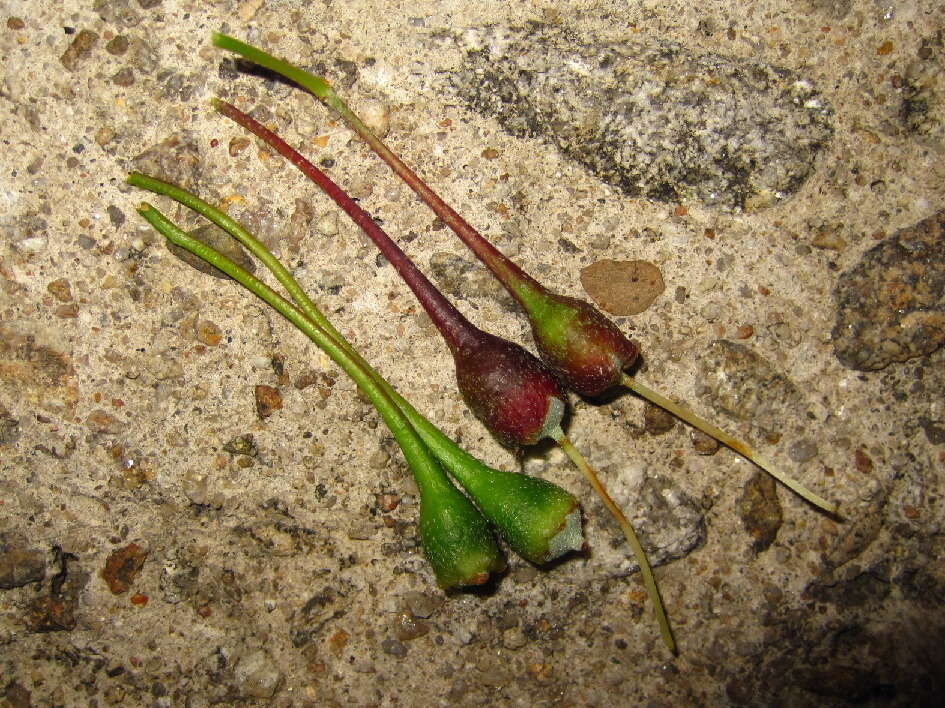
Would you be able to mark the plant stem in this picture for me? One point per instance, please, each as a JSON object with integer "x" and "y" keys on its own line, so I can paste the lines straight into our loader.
{"x": 532, "y": 515}
{"x": 533, "y": 297}
{"x": 648, "y": 578}
{"x": 456, "y": 329}
{"x": 461, "y": 553}
{"x": 522, "y": 286}
{"x": 684, "y": 413}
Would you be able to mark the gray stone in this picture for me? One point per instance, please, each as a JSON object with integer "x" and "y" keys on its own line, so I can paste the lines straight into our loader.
{"x": 651, "y": 117}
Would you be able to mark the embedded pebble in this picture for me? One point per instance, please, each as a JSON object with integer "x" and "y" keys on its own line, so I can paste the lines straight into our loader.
{"x": 257, "y": 675}
{"x": 923, "y": 102}
{"x": 656, "y": 420}
{"x": 36, "y": 365}
{"x": 19, "y": 564}
{"x": 79, "y": 50}
{"x": 61, "y": 289}
{"x": 327, "y": 224}
{"x": 208, "y": 333}
{"x": 362, "y": 531}
{"x": 422, "y": 605}
{"x": 802, "y": 451}
{"x": 376, "y": 115}
{"x": 242, "y": 445}
{"x": 891, "y": 305}
{"x": 622, "y": 287}
{"x": 122, "y": 567}
{"x": 409, "y": 628}
{"x": 760, "y": 510}
{"x": 711, "y": 311}
{"x": 98, "y": 421}
{"x": 514, "y": 639}
{"x": 379, "y": 459}
{"x": 394, "y": 648}
{"x": 703, "y": 444}
{"x": 738, "y": 382}
{"x": 9, "y": 427}
{"x": 175, "y": 159}
{"x": 268, "y": 400}
{"x": 745, "y": 135}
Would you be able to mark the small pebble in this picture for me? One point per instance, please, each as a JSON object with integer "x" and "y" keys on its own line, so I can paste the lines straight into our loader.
{"x": 124, "y": 77}
{"x": 376, "y": 115}
{"x": 268, "y": 400}
{"x": 657, "y": 421}
{"x": 379, "y": 461}
{"x": 703, "y": 444}
{"x": 829, "y": 240}
{"x": 117, "y": 45}
{"x": 80, "y": 48}
{"x": 237, "y": 145}
{"x": 122, "y": 567}
{"x": 422, "y": 605}
{"x": 622, "y": 287}
{"x": 514, "y": 639}
{"x": 524, "y": 574}
{"x": 744, "y": 332}
{"x": 19, "y": 564}
{"x": 257, "y": 675}
{"x": 409, "y": 628}
{"x": 32, "y": 244}
{"x": 61, "y": 290}
{"x": 327, "y": 224}
{"x": 711, "y": 311}
{"x": 362, "y": 531}
{"x": 387, "y": 502}
{"x": 98, "y": 421}
{"x": 208, "y": 333}
{"x": 242, "y": 445}
{"x": 394, "y": 648}
{"x": 802, "y": 451}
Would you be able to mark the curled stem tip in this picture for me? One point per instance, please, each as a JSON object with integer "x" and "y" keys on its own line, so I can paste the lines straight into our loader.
{"x": 648, "y": 578}
{"x": 742, "y": 448}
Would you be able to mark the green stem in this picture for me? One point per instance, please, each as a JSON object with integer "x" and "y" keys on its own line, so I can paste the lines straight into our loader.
{"x": 458, "y": 542}
{"x": 539, "y": 520}
{"x": 444, "y": 448}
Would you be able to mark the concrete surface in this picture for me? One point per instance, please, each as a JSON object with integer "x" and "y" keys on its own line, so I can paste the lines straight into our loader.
{"x": 163, "y": 544}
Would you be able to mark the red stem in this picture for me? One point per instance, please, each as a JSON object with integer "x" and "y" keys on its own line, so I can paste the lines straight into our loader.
{"x": 458, "y": 332}
{"x": 517, "y": 281}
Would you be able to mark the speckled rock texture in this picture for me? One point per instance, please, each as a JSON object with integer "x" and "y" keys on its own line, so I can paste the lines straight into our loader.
{"x": 650, "y": 116}
{"x": 197, "y": 508}
{"x": 891, "y": 306}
